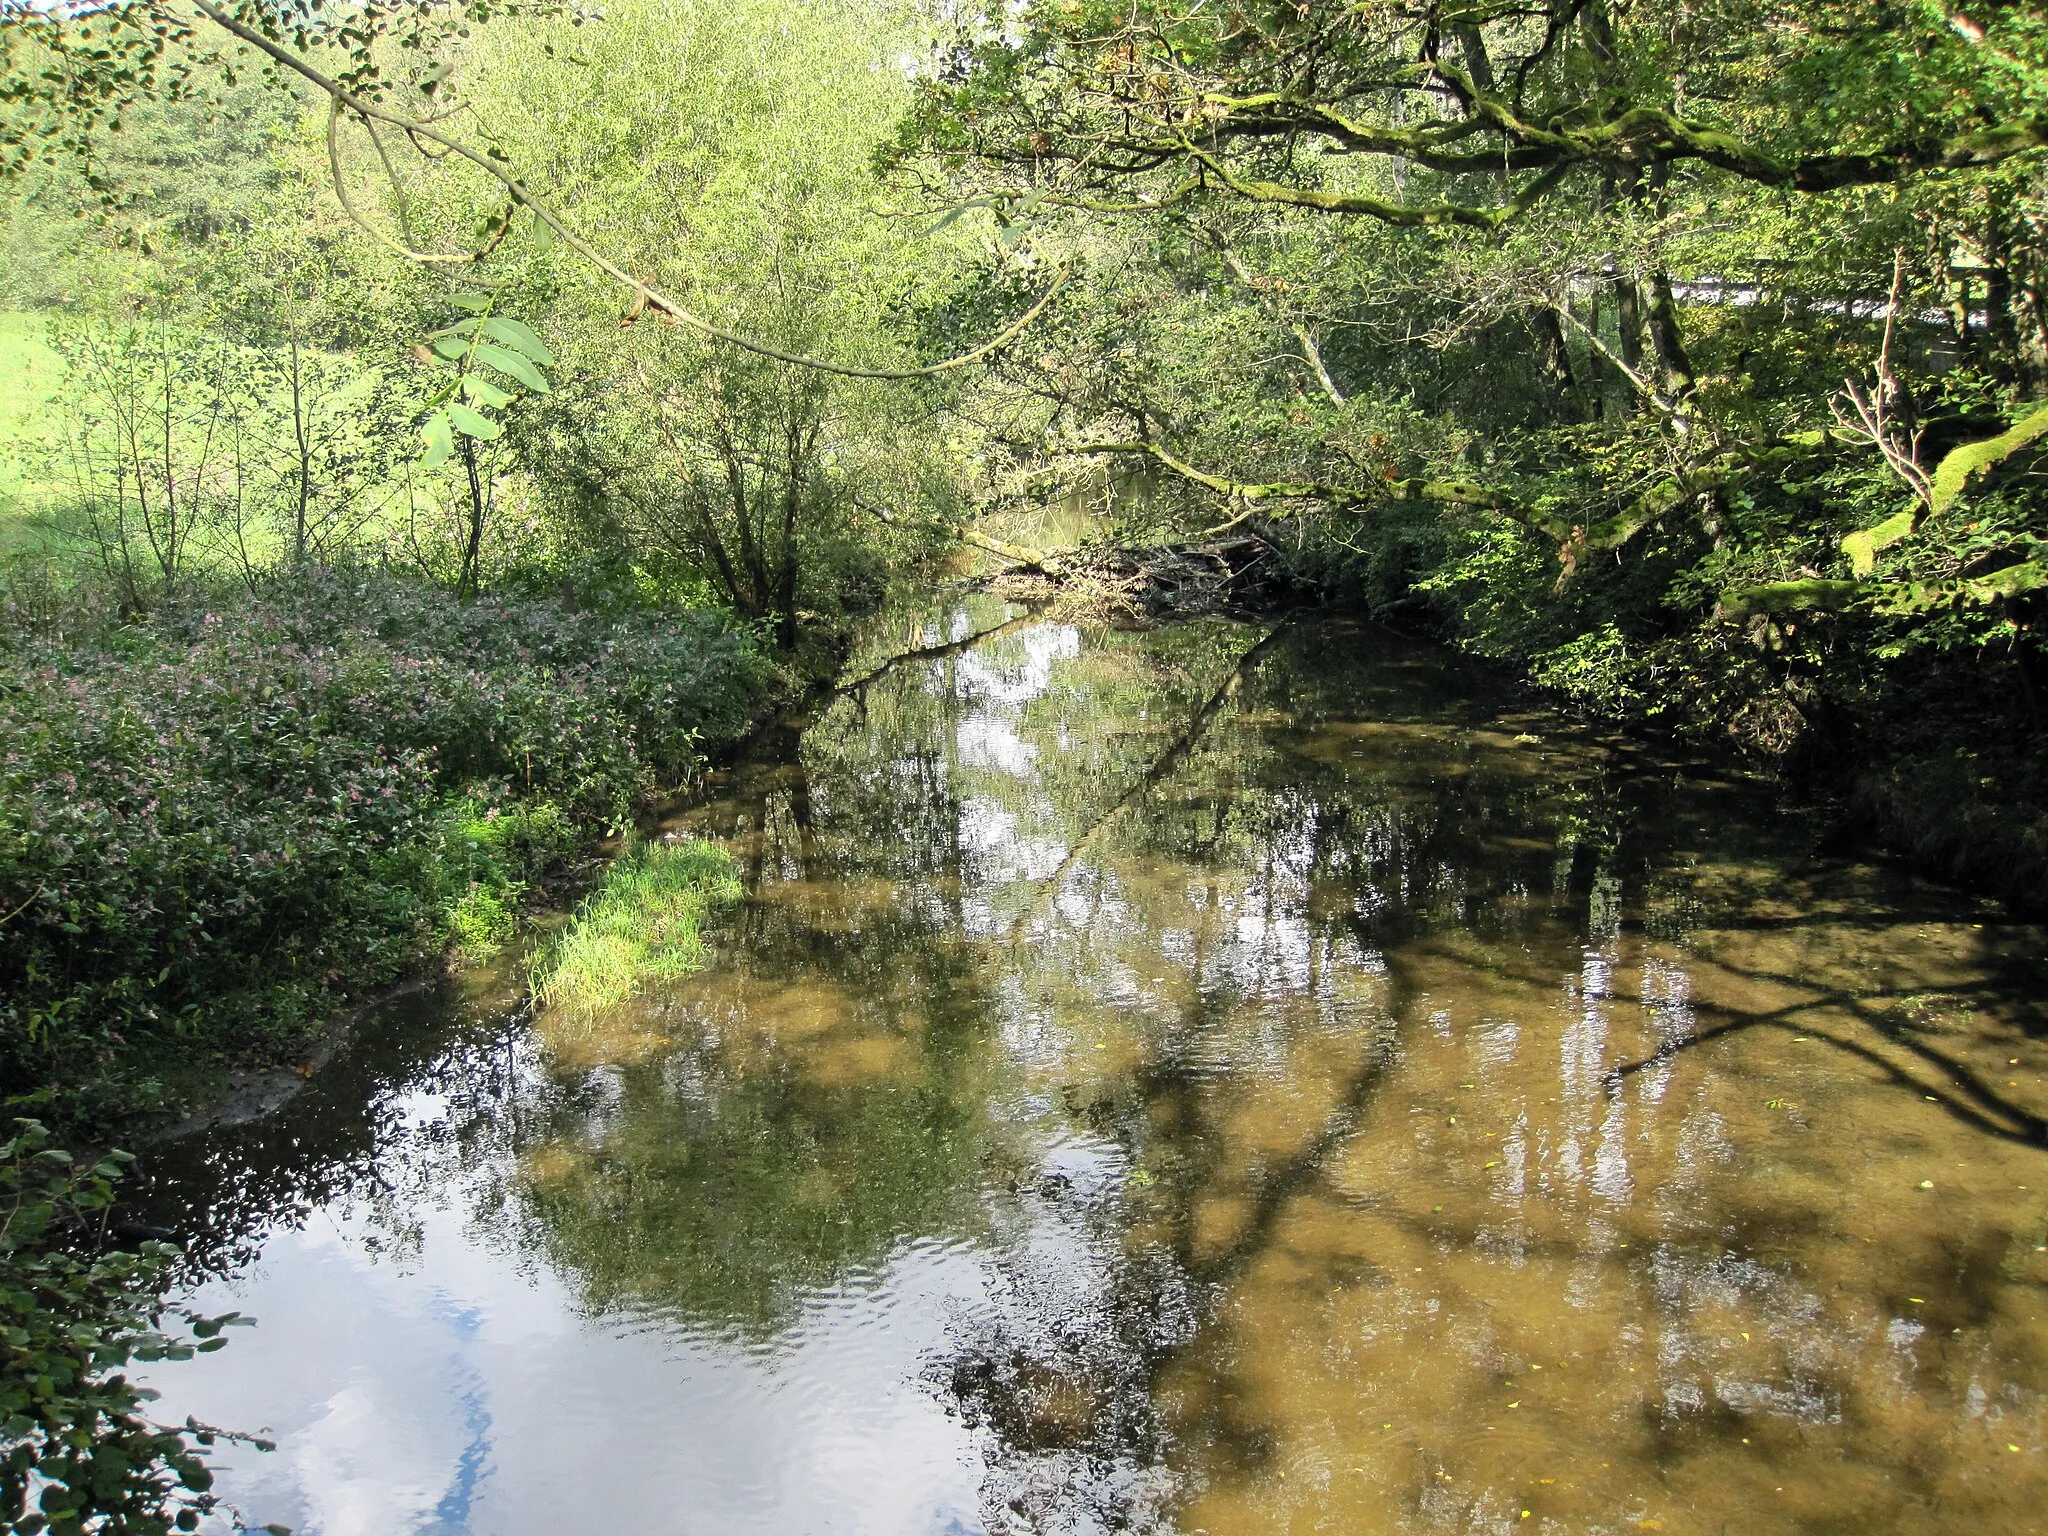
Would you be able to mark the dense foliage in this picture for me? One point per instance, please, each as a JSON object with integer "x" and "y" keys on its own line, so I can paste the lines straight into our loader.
{"x": 215, "y": 823}
{"x": 724, "y": 152}
{"x": 1621, "y": 340}
{"x": 1691, "y": 362}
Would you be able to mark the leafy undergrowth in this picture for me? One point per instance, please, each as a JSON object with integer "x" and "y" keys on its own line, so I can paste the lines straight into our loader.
{"x": 78, "y": 1451}
{"x": 643, "y": 924}
{"x": 217, "y": 824}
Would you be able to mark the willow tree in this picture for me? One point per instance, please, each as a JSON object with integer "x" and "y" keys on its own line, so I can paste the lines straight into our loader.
{"x": 723, "y": 152}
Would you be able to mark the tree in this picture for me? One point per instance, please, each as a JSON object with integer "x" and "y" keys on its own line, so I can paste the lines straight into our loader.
{"x": 726, "y": 151}
{"x": 1542, "y": 174}
{"x": 1493, "y": 106}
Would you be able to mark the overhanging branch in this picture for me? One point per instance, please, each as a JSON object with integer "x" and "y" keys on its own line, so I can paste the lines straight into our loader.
{"x": 645, "y": 296}
{"x": 1666, "y": 495}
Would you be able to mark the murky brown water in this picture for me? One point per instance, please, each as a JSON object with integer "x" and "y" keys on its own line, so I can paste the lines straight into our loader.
{"x": 1180, "y": 1082}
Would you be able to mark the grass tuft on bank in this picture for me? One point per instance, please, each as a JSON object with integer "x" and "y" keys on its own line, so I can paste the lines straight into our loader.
{"x": 643, "y": 924}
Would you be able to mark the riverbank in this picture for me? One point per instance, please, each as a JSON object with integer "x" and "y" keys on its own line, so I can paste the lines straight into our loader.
{"x": 225, "y": 823}
{"x": 1933, "y": 753}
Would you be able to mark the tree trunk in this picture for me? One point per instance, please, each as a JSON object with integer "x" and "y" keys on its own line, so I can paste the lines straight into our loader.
{"x": 467, "y": 583}
{"x": 1667, "y": 340}
{"x": 796, "y": 446}
{"x": 1554, "y": 366}
{"x": 305, "y": 455}
{"x": 1477, "y": 64}
{"x": 2012, "y": 305}
{"x": 1628, "y": 313}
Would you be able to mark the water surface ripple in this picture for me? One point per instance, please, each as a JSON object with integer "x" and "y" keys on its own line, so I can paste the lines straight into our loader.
{"x": 1193, "y": 1081}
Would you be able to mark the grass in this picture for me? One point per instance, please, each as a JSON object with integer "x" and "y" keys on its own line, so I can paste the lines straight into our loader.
{"x": 30, "y": 371}
{"x": 643, "y": 924}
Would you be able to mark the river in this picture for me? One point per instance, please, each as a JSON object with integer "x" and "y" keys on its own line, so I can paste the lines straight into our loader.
{"x": 1212, "y": 1079}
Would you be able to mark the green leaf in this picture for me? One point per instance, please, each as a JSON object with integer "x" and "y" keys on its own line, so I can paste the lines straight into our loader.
{"x": 954, "y": 213}
{"x": 519, "y": 336}
{"x": 440, "y": 435}
{"x": 481, "y": 391}
{"x": 1955, "y": 469}
{"x": 513, "y": 364}
{"x": 476, "y": 303}
{"x": 473, "y": 423}
{"x": 515, "y": 334}
{"x": 1862, "y": 546}
{"x": 454, "y": 348}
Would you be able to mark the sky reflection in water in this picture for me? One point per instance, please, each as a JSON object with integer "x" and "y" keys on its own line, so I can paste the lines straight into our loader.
{"x": 1160, "y": 1083}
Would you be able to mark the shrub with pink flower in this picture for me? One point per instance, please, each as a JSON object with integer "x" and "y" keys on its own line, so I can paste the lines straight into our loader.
{"x": 215, "y": 823}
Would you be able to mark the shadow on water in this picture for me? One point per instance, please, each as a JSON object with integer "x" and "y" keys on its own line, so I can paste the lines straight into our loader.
{"x": 1204, "y": 1080}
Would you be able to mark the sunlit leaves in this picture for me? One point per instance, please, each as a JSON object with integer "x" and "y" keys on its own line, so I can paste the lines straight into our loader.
{"x": 510, "y": 364}
{"x": 491, "y": 358}
{"x": 439, "y": 432}
{"x": 473, "y": 423}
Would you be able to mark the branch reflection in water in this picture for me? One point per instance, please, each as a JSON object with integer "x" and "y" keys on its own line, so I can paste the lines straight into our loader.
{"x": 1179, "y": 1080}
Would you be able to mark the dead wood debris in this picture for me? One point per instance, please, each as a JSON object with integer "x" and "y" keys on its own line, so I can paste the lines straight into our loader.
{"x": 1133, "y": 585}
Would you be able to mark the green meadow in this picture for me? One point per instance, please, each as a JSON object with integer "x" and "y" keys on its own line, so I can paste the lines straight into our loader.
{"x": 30, "y": 374}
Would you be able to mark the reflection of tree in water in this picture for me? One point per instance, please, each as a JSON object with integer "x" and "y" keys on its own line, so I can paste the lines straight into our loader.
{"x": 1266, "y": 868}
{"x": 818, "y": 1105}
{"x": 1237, "y": 872}
{"x": 722, "y": 1201}
{"x": 351, "y": 1135}
{"x": 829, "y": 1096}
{"x": 1253, "y": 838}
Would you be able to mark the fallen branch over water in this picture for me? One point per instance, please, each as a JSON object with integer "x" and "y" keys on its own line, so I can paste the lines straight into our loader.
{"x": 1182, "y": 580}
{"x": 929, "y": 653}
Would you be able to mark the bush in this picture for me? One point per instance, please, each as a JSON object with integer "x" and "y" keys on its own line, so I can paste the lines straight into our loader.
{"x": 215, "y": 824}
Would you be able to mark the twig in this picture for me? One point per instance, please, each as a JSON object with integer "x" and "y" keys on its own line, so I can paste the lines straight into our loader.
{"x": 1868, "y": 416}
{"x": 417, "y": 129}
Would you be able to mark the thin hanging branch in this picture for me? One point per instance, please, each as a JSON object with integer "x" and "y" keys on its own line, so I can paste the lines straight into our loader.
{"x": 645, "y": 297}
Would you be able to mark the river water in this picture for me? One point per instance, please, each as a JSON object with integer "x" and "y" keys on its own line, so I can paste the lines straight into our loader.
{"x": 1204, "y": 1080}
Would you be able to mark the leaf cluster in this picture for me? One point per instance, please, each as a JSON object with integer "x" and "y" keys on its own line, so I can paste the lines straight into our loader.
{"x": 78, "y": 1452}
